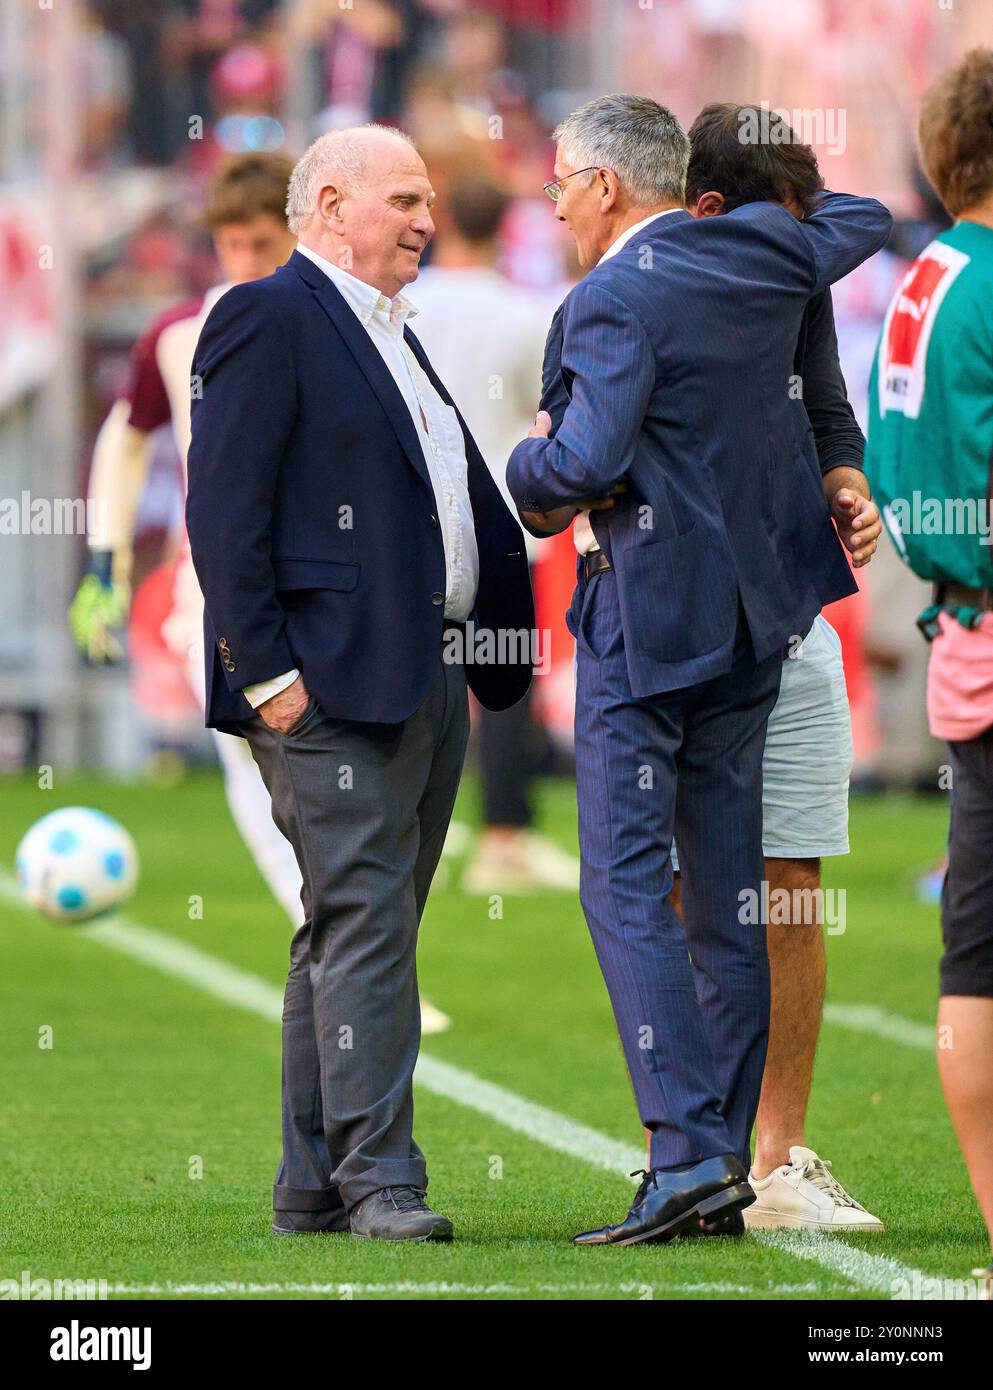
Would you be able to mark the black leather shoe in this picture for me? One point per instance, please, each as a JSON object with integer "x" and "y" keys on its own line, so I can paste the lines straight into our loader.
{"x": 733, "y": 1226}
{"x": 668, "y": 1204}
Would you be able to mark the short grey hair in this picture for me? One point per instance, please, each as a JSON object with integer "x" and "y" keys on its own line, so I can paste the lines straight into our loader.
{"x": 641, "y": 141}
{"x": 339, "y": 157}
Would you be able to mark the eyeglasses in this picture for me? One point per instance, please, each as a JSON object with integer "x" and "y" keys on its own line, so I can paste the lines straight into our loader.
{"x": 555, "y": 189}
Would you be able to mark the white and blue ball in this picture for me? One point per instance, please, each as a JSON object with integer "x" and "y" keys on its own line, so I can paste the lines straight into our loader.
{"x": 75, "y": 863}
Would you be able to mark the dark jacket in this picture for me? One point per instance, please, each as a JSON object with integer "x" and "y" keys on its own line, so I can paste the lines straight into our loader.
{"x": 676, "y": 356}
{"x": 312, "y": 520}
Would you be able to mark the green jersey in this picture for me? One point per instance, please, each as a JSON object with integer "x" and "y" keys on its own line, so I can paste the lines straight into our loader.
{"x": 930, "y": 443}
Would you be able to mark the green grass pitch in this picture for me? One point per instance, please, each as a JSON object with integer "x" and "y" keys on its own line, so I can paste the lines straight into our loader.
{"x": 149, "y": 1074}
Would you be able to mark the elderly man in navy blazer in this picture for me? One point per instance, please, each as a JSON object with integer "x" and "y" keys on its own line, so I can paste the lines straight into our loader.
{"x": 679, "y": 428}
{"x": 345, "y": 530}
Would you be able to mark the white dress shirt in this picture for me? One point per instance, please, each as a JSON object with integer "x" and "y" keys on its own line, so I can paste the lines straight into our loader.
{"x": 441, "y": 440}
{"x": 582, "y": 531}
{"x": 495, "y": 376}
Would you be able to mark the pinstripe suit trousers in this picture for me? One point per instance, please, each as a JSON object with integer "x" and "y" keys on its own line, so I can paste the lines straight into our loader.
{"x": 691, "y": 1004}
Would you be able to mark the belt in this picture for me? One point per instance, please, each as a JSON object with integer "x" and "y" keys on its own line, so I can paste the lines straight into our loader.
{"x": 961, "y": 596}
{"x": 595, "y": 563}
{"x": 965, "y": 604}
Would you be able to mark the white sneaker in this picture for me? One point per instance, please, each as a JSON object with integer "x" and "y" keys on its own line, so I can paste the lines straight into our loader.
{"x": 523, "y": 863}
{"x": 432, "y": 1019}
{"x": 803, "y": 1196}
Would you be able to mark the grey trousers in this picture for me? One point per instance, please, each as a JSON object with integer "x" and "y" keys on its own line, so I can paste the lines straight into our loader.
{"x": 366, "y": 808}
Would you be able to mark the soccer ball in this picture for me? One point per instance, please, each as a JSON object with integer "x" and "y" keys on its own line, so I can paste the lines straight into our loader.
{"x": 75, "y": 863}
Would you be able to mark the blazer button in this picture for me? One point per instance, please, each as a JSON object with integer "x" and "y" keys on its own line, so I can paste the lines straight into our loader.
{"x": 229, "y": 665}
{"x": 437, "y": 598}
{"x": 434, "y": 519}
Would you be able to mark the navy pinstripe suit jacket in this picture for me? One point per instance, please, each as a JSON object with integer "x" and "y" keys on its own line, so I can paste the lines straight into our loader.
{"x": 671, "y": 364}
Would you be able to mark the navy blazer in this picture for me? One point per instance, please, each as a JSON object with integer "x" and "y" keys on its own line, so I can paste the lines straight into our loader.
{"x": 312, "y": 520}
{"x": 673, "y": 361}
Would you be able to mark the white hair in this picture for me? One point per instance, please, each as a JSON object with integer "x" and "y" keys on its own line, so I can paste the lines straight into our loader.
{"x": 339, "y": 157}
{"x": 641, "y": 141}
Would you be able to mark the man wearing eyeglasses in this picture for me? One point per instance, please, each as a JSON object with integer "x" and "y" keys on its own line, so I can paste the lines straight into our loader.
{"x": 692, "y": 456}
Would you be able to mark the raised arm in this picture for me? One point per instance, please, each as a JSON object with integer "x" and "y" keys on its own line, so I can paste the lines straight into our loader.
{"x": 842, "y": 232}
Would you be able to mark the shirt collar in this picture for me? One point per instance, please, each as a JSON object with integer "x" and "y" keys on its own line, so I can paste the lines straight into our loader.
{"x": 364, "y": 300}
{"x": 626, "y": 236}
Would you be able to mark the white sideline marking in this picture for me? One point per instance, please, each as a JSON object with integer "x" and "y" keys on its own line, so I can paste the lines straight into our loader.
{"x": 346, "y": 1289}
{"x": 176, "y": 957}
{"x": 526, "y": 1117}
{"x": 246, "y": 991}
{"x": 876, "y": 1272}
{"x": 229, "y": 983}
{"x": 870, "y": 1018}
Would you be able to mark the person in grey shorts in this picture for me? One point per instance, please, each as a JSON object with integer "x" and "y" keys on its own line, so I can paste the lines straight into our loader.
{"x": 805, "y": 772}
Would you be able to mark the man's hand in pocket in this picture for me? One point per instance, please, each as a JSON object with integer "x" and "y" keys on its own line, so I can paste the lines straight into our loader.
{"x": 286, "y": 708}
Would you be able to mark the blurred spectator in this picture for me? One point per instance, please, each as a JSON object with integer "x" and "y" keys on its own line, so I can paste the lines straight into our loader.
{"x": 106, "y": 92}
{"x": 359, "y": 57}
{"x": 452, "y": 138}
{"x": 474, "y": 53}
{"x": 546, "y": 42}
{"x": 246, "y": 93}
{"x": 200, "y": 32}
{"x": 486, "y": 339}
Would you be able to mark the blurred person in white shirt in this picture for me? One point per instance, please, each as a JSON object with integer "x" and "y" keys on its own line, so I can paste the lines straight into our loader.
{"x": 486, "y": 338}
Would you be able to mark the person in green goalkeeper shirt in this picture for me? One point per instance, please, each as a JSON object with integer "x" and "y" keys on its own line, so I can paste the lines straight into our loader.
{"x": 929, "y": 459}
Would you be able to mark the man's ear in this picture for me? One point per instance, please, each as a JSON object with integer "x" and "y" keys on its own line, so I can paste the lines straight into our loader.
{"x": 609, "y": 188}
{"x": 708, "y": 205}
{"x": 328, "y": 202}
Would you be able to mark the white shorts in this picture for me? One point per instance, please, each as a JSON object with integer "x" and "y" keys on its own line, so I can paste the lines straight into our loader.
{"x": 808, "y": 754}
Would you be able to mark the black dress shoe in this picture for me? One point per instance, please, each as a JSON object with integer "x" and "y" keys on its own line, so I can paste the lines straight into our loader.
{"x": 668, "y": 1204}
{"x": 733, "y": 1226}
